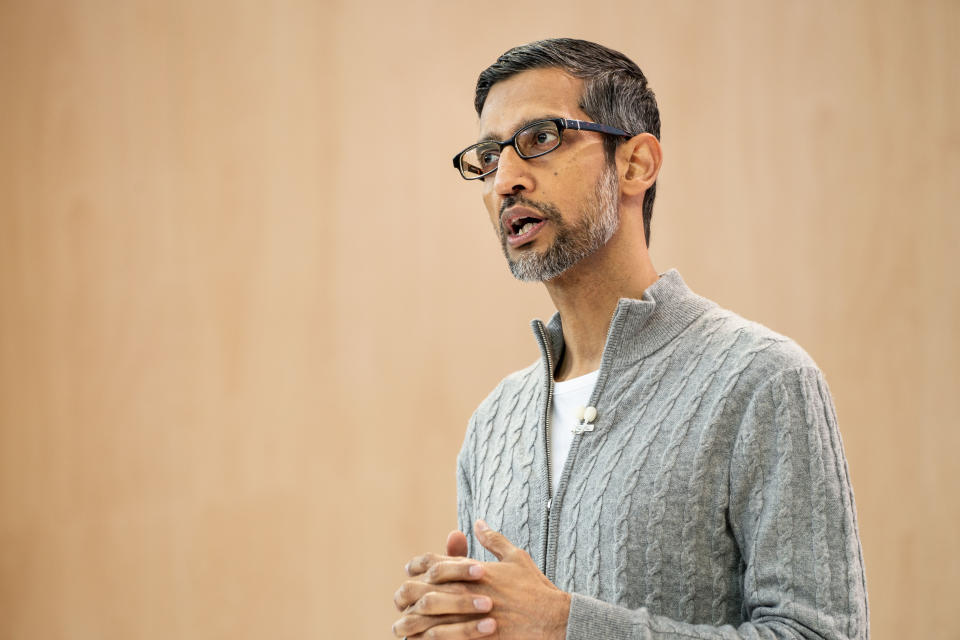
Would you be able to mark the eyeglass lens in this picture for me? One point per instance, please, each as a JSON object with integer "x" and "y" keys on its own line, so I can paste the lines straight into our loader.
{"x": 533, "y": 140}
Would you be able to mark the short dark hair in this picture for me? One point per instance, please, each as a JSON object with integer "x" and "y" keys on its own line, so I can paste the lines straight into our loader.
{"x": 615, "y": 91}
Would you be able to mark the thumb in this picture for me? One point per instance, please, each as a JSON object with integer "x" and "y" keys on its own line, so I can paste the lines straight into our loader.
{"x": 456, "y": 544}
{"x": 496, "y": 543}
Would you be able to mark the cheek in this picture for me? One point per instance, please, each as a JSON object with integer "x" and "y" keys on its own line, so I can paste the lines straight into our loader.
{"x": 572, "y": 186}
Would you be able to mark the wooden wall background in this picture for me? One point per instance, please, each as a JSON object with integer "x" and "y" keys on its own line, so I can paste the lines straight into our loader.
{"x": 246, "y": 305}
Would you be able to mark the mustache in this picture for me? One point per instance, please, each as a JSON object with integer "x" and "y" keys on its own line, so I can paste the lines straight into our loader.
{"x": 549, "y": 212}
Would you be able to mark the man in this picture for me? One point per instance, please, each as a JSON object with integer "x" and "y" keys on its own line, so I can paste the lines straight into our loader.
{"x": 668, "y": 469}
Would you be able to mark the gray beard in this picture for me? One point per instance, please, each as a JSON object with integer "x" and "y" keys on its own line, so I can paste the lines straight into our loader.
{"x": 572, "y": 244}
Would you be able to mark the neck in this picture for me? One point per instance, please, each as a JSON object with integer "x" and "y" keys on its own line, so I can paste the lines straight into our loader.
{"x": 587, "y": 295}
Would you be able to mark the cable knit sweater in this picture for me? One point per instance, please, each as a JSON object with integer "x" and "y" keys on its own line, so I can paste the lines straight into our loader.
{"x": 712, "y": 498}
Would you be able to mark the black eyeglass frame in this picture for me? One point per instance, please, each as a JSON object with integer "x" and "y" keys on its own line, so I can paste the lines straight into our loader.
{"x": 561, "y": 123}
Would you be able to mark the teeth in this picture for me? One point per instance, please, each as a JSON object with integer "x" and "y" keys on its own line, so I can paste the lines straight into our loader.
{"x": 526, "y": 228}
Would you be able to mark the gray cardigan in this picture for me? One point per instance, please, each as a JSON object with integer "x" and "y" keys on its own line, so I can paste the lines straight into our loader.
{"x": 710, "y": 500}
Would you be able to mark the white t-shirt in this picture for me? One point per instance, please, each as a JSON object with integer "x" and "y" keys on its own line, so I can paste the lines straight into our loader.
{"x": 568, "y": 396}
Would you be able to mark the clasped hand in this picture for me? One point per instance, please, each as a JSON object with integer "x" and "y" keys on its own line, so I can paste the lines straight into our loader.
{"x": 453, "y": 597}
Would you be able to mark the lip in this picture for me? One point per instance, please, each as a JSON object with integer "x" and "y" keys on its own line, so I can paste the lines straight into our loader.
{"x": 517, "y": 212}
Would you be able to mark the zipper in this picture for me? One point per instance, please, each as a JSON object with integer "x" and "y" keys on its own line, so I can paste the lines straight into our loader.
{"x": 546, "y": 435}
{"x": 549, "y": 568}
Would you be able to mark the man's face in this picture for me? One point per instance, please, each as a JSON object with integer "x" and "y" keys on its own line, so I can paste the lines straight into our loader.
{"x": 552, "y": 211}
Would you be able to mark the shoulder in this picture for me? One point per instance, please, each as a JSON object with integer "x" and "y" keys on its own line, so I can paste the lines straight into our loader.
{"x": 773, "y": 391}
{"x": 509, "y": 388}
{"x": 776, "y": 350}
{"x": 748, "y": 351}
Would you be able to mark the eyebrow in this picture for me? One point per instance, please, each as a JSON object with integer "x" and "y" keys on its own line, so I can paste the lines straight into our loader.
{"x": 493, "y": 137}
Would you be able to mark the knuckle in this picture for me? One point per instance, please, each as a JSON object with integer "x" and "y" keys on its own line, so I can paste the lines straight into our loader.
{"x": 519, "y": 554}
{"x": 420, "y": 563}
{"x": 414, "y": 566}
{"x": 403, "y": 595}
{"x": 426, "y": 602}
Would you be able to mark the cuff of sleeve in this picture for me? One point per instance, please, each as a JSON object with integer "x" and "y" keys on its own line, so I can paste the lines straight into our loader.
{"x": 592, "y": 619}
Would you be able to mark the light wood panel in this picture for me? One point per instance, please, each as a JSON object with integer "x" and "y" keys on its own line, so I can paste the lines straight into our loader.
{"x": 246, "y": 306}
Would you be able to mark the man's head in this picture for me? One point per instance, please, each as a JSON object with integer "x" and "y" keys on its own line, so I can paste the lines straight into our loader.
{"x": 614, "y": 90}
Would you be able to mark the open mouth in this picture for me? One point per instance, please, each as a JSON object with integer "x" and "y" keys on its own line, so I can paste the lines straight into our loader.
{"x": 522, "y": 226}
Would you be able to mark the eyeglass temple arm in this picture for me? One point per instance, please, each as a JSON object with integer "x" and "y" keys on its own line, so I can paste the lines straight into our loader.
{"x": 580, "y": 125}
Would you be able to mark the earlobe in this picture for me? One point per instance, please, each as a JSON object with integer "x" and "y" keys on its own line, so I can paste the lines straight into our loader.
{"x": 643, "y": 159}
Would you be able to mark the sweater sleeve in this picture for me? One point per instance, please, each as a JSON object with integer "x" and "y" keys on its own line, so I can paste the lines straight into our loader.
{"x": 792, "y": 514}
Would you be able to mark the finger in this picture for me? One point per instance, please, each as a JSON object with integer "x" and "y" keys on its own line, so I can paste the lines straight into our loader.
{"x": 421, "y": 563}
{"x": 493, "y": 541}
{"x": 454, "y": 571}
{"x": 457, "y": 630}
{"x": 410, "y": 626}
{"x": 456, "y": 544}
{"x": 409, "y": 592}
{"x": 438, "y": 603}
{"x": 412, "y": 590}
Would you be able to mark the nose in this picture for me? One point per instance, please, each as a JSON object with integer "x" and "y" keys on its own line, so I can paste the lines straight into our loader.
{"x": 513, "y": 173}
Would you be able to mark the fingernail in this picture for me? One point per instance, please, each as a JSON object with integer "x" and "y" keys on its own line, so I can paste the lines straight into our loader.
{"x": 482, "y": 526}
{"x": 476, "y": 571}
{"x": 482, "y": 604}
{"x": 406, "y": 568}
{"x": 486, "y": 625}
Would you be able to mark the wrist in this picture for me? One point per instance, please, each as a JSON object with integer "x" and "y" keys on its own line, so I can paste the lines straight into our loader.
{"x": 558, "y": 627}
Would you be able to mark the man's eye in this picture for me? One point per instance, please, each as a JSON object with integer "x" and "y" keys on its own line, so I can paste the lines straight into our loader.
{"x": 543, "y": 139}
{"x": 489, "y": 159}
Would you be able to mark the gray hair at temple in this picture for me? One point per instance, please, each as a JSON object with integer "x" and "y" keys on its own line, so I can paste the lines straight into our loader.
{"x": 615, "y": 91}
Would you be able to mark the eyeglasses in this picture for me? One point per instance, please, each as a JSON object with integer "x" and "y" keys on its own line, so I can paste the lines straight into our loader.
{"x": 530, "y": 141}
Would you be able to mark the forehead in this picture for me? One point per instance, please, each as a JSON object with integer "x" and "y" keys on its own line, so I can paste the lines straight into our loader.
{"x": 531, "y": 94}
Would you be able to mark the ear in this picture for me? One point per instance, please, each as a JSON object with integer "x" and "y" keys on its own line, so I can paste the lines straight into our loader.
{"x": 642, "y": 157}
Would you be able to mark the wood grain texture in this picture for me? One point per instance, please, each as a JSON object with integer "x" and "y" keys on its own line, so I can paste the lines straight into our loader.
{"x": 246, "y": 305}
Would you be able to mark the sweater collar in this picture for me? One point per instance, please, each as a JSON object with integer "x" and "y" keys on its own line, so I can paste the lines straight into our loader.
{"x": 638, "y": 327}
